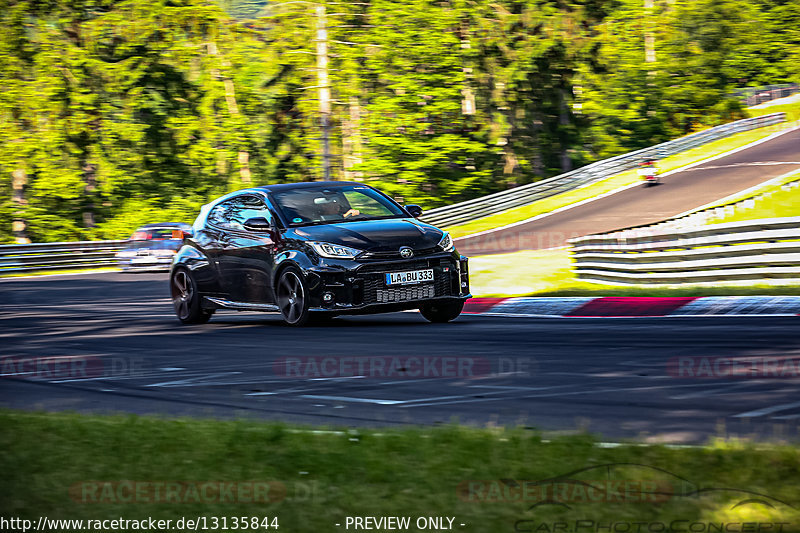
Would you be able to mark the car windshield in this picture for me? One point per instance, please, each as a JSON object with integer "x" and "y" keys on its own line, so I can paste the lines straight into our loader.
{"x": 329, "y": 205}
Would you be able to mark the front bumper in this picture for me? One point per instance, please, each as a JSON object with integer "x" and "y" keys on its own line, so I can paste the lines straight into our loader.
{"x": 362, "y": 288}
{"x": 147, "y": 262}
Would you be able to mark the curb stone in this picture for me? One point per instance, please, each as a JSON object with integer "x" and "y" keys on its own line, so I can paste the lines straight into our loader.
{"x": 636, "y": 306}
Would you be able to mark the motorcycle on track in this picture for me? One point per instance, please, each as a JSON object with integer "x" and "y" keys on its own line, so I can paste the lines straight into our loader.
{"x": 649, "y": 173}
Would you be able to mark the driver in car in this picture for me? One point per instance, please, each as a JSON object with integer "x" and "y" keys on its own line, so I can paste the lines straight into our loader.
{"x": 332, "y": 209}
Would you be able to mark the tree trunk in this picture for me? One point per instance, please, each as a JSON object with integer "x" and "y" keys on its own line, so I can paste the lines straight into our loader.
{"x": 468, "y": 96}
{"x": 324, "y": 90}
{"x": 564, "y": 120}
{"x": 90, "y": 185}
{"x": 351, "y": 140}
{"x": 233, "y": 109}
{"x": 19, "y": 179}
{"x": 509, "y": 160}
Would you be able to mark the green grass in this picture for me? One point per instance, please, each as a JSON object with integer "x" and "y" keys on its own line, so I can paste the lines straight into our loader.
{"x": 549, "y": 273}
{"x": 792, "y": 111}
{"x": 58, "y": 272}
{"x": 388, "y": 472}
{"x": 774, "y": 203}
{"x": 620, "y": 180}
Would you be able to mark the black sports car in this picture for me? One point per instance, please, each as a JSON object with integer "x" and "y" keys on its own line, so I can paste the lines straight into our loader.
{"x": 316, "y": 249}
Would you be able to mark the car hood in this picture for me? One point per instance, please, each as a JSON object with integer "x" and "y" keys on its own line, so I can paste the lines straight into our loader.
{"x": 375, "y": 235}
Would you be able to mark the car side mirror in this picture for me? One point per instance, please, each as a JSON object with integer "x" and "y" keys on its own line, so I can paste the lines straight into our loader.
{"x": 414, "y": 210}
{"x": 258, "y": 224}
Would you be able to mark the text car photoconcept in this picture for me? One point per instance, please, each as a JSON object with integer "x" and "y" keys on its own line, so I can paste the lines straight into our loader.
{"x": 316, "y": 249}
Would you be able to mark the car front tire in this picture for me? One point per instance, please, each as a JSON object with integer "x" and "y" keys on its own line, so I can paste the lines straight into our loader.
{"x": 293, "y": 297}
{"x": 186, "y": 298}
{"x": 441, "y": 312}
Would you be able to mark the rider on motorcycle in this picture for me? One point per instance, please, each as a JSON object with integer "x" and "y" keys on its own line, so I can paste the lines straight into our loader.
{"x": 649, "y": 172}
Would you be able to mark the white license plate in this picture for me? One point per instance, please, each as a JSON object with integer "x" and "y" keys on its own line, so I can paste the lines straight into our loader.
{"x": 412, "y": 276}
{"x": 144, "y": 260}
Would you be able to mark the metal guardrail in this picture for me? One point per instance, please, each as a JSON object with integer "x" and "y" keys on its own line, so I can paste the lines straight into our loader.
{"x": 15, "y": 258}
{"x": 755, "y": 250}
{"x": 525, "y": 194}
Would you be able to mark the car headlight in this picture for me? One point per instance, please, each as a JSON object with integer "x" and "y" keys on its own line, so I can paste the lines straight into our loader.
{"x": 334, "y": 251}
{"x": 446, "y": 243}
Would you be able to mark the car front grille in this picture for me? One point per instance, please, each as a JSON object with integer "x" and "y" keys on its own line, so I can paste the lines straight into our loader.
{"x": 404, "y": 294}
{"x": 375, "y": 289}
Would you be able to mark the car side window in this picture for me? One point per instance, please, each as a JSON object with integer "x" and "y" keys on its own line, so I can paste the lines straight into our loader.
{"x": 232, "y": 214}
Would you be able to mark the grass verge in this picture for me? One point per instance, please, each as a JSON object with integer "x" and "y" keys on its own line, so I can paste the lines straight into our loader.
{"x": 58, "y": 272}
{"x": 615, "y": 182}
{"x": 768, "y": 202}
{"x": 549, "y": 273}
{"x": 408, "y": 472}
{"x": 792, "y": 110}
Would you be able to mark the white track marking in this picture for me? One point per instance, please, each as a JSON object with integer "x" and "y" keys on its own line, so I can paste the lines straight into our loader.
{"x": 193, "y": 382}
{"x": 767, "y": 410}
{"x": 724, "y": 389}
{"x": 453, "y": 399}
{"x": 516, "y": 388}
{"x": 571, "y": 393}
{"x": 338, "y": 378}
{"x": 374, "y": 400}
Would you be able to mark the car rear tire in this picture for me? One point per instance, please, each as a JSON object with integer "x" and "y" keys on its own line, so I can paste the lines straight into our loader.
{"x": 293, "y": 297}
{"x": 442, "y": 312}
{"x": 186, "y": 298}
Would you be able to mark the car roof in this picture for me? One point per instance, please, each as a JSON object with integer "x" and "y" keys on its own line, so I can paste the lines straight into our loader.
{"x": 305, "y": 185}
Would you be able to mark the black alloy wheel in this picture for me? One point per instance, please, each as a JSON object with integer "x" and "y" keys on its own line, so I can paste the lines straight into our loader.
{"x": 186, "y": 299}
{"x": 293, "y": 297}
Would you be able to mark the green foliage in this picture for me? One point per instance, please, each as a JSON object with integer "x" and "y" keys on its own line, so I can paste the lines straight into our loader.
{"x": 117, "y": 112}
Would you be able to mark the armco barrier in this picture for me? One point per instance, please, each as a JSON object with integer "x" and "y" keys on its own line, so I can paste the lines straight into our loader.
{"x": 753, "y": 250}
{"x": 525, "y": 194}
{"x": 17, "y": 258}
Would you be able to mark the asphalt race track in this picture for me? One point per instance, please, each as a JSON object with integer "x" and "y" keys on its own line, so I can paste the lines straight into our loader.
{"x": 609, "y": 376}
{"x": 676, "y": 194}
